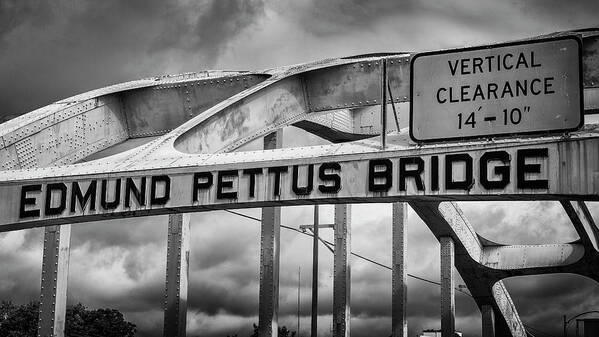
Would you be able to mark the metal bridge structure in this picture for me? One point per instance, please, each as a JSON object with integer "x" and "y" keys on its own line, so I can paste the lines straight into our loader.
{"x": 169, "y": 145}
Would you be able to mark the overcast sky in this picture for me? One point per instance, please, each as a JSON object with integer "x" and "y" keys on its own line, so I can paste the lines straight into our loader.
{"x": 50, "y": 50}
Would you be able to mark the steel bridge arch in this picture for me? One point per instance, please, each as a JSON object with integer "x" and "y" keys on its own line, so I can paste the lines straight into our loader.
{"x": 197, "y": 116}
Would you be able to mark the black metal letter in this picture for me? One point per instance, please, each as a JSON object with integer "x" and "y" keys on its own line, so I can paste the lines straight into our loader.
{"x": 524, "y": 168}
{"x": 117, "y": 195}
{"x": 167, "y": 190}
{"x": 404, "y": 172}
{"x": 310, "y": 184}
{"x": 277, "y": 170}
{"x": 501, "y": 170}
{"x": 197, "y": 185}
{"x": 221, "y": 184}
{"x": 49, "y": 210}
{"x": 465, "y": 184}
{"x": 90, "y": 195}
{"x": 386, "y": 174}
{"x": 332, "y": 177}
{"x": 29, "y": 201}
{"x": 252, "y": 173}
{"x": 434, "y": 173}
{"x": 140, "y": 194}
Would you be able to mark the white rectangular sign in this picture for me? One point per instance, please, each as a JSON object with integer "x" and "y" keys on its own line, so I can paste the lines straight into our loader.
{"x": 513, "y": 88}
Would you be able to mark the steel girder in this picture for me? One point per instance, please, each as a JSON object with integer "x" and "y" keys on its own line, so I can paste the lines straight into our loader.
{"x": 220, "y": 111}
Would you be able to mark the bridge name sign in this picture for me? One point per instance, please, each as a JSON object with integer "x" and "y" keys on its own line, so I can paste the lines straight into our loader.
{"x": 491, "y": 172}
{"x": 513, "y": 88}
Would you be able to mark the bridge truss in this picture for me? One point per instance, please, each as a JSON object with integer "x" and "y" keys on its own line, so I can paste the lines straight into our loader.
{"x": 166, "y": 145}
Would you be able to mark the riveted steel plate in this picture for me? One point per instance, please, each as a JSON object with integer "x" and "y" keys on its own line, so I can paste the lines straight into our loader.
{"x": 9, "y": 159}
{"x": 343, "y": 86}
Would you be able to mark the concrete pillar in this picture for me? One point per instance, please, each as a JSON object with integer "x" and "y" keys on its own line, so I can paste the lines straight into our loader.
{"x": 447, "y": 287}
{"x": 342, "y": 271}
{"x": 55, "y": 272}
{"x": 269, "y": 258}
{"x": 488, "y": 320}
{"x": 399, "y": 292}
{"x": 177, "y": 271}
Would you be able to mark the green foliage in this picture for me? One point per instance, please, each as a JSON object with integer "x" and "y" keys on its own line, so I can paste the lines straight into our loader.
{"x": 18, "y": 321}
{"x": 282, "y": 332}
{"x": 21, "y": 321}
{"x": 101, "y": 322}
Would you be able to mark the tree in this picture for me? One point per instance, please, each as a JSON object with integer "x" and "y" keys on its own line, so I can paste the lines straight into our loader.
{"x": 21, "y": 321}
{"x": 82, "y": 322}
{"x": 281, "y": 332}
{"x": 18, "y": 321}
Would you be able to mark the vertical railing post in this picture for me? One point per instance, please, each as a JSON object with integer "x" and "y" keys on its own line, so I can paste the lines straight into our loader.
{"x": 269, "y": 258}
{"x": 342, "y": 271}
{"x": 314, "y": 320}
{"x": 55, "y": 272}
{"x": 384, "y": 103}
{"x": 399, "y": 273}
{"x": 488, "y": 320}
{"x": 177, "y": 273}
{"x": 447, "y": 287}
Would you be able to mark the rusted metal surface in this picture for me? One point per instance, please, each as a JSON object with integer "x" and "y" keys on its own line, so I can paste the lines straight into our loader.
{"x": 314, "y": 311}
{"x": 447, "y": 286}
{"x": 55, "y": 272}
{"x": 516, "y": 257}
{"x": 583, "y": 223}
{"x": 508, "y": 310}
{"x": 270, "y": 248}
{"x": 446, "y": 220}
{"x": 399, "y": 285}
{"x": 77, "y": 127}
{"x": 488, "y": 320}
{"x": 590, "y": 60}
{"x": 353, "y": 160}
{"x": 342, "y": 272}
{"x": 160, "y": 109}
{"x": 177, "y": 275}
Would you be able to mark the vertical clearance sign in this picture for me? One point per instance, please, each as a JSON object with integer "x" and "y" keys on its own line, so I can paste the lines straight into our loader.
{"x": 513, "y": 88}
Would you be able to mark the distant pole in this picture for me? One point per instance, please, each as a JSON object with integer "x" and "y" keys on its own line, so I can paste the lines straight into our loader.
{"x": 314, "y": 323}
{"x": 565, "y": 331}
{"x": 299, "y": 278}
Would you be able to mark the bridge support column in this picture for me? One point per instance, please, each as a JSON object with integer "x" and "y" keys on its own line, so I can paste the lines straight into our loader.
{"x": 177, "y": 270}
{"x": 55, "y": 271}
{"x": 399, "y": 292}
{"x": 342, "y": 271}
{"x": 488, "y": 320}
{"x": 269, "y": 258}
{"x": 447, "y": 286}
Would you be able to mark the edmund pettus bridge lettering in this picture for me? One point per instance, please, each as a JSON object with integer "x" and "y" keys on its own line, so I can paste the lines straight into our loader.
{"x": 446, "y": 173}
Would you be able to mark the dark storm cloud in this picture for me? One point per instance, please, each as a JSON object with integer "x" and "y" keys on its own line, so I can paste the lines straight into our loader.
{"x": 120, "y": 233}
{"x": 209, "y": 27}
{"x": 541, "y": 300}
{"x": 20, "y": 256}
{"x": 52, "y": 50}
{"x": 341, "y": 16}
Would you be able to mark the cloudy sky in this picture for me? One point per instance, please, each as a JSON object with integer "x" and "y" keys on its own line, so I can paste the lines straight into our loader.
{"x": 52, "y": 50}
